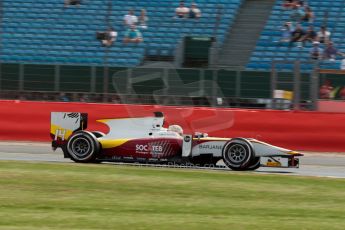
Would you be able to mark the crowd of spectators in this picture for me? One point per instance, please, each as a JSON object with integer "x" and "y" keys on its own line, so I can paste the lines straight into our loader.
{"x": 184, "y": 12}
{"x": 327, "y": 91}
{"x": 132, "y": 24}
{"x": 301, "y": 14}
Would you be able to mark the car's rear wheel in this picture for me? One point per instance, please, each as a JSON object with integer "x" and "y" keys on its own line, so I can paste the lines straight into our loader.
{"x": 98, "y": 134}
{"x": 83, "y": 147}
{"x": 238, "y": 154}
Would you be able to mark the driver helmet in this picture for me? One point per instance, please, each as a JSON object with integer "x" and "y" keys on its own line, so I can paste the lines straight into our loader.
{"x": 176, "y": 128}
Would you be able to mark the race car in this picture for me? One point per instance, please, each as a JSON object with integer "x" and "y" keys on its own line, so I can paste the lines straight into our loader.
{"x": 146, "y": 140}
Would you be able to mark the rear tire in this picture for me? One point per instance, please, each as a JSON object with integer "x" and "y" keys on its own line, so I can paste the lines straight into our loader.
{"x": 83, "y": 147}
{"x": 238, "y": 154}
{"x": 98, "y": 134}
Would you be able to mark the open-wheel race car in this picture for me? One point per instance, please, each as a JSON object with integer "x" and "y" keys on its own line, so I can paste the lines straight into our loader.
{"x": 145, "y": 140}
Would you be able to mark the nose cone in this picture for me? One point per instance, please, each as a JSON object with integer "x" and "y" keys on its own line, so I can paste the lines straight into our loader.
{"x": 295, "y": 153}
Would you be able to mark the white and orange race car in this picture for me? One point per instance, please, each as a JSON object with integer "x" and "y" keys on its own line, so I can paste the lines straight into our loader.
{"x": 145, "y": 140}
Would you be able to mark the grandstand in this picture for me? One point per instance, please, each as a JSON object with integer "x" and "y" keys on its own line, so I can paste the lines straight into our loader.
{"x": 48, "y": 33}
{"x": 328, "y": 13}
{"x": 48, "y": 48}
{"x": 41, "y": 31}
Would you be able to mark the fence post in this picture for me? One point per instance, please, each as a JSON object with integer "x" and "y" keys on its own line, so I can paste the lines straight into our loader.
{"x": 297, "y": 86}
{"x": 93, "y": 79}
{"x": 105, "y": 81}
{"x": 273, "y": 84}
{"x": 238, "y": 84}
{"x": 129, "y": 83}
{"x": 314, "y": 88}
{"x": 0, "y": 76}
{"x": 215, "y": 87}
{"x": 21, "y": 77}
{"x": 166, "y": 81}
{"x": 202, "y": 83}
{"x": 57, "y": 78}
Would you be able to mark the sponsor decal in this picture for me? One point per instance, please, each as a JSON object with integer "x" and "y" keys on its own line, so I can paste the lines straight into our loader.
{"x": 128, "y": 158}
{"x": 116, "y": 158}
{"x": 187, "y": 138}
{"x": 73, "y": 115}
{"x": 141, "y": 159}
{"x": 145, "y": 149}
{"x": 210, "y": 146}
{"x": 273, "y": 163}
{"x": 153, "y": 159}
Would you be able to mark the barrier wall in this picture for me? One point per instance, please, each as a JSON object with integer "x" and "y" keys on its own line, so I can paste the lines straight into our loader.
{"x": 315, "y": 131}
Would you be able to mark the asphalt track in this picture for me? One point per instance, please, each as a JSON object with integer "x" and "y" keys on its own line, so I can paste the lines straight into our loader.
{"x": 312, "y": 164}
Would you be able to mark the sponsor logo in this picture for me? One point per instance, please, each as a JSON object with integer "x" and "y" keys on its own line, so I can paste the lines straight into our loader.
{"x": 73, "y": 115}
{"x": 116, "y": 158}
{"x": 187, "y": 138}
{"x": 128, "y": 158}
{"x": 149, "y": 148}
{"x": 210, "y": 147}
{"x": 273, "y": 164}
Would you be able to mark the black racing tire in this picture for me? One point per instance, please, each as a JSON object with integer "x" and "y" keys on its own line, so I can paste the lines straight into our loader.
{"x": 83, "y": 147}
{"x": 98, "y": 134}
{"x": 238, "y": 154}
{"x": 255, "y": 164}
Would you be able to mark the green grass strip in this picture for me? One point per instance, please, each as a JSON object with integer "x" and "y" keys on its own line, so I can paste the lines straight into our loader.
{"x": 81, "y": 196}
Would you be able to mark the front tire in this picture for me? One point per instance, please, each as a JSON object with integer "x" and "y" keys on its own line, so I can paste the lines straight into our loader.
{"x": 83, "y": 147}
{"x": 238, "y": 154}
{"x": 255, "y": 164}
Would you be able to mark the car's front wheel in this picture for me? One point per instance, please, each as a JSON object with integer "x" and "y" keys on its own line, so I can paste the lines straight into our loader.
{"x": 255, "y": 164}
{"x": 83, "y": 147}
{"x": 238, "y": 154}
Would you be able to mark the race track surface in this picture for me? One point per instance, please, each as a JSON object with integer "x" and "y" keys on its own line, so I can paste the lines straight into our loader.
{"x": 312, "y": 164}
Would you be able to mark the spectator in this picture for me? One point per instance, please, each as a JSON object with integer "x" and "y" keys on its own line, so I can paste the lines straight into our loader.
{"x": 297, "y": 35}
{"x": 308, "y": 15}
{"x": 288, "y": 4}
{"x": 110, "y": 37}
{"x": 316, "y": 51}
{"x": 310, "y": 35}
{"x": 286, "y": 32}
{"x": 130, "y": 19}
{"x": 143, "y": 19}
{"x": 63, "y": 97}
{"x": 342, "y": 93}
{"x": 182, "y": 11}
{"x": 72, "y": 2}
{"x": 133, "y": 35}
{"x": 194, "y": 12}
{"x": 326, "y": 90}
{"x": 331, "y": 52}
{"x": 296, "y": 14}
{"x": 300, "y": 2}
{"x": 323, "y": 35}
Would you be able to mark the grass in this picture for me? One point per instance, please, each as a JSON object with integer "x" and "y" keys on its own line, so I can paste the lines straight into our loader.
{"x": 77, "y": 196}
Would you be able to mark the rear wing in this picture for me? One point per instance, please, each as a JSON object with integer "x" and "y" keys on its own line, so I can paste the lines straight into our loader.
{"x": 64, "y": 124}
